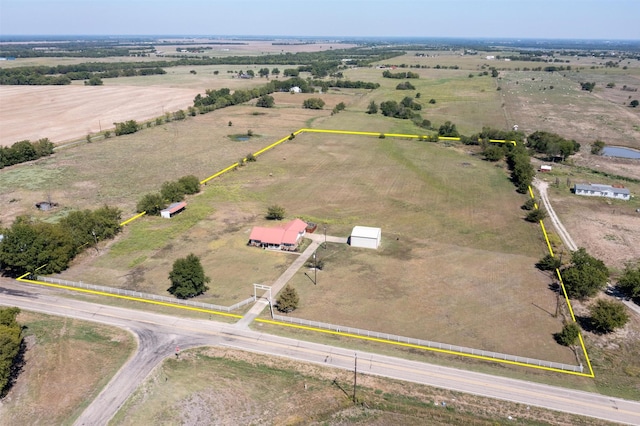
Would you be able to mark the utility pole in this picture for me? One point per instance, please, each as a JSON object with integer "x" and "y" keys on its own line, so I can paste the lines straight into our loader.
{"x": 325, "y": 237}
{"x": 355, "y": 375}
{"x": 315, "y": 269}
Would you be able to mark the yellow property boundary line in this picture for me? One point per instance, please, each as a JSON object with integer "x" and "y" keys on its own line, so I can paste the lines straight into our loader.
{"x": 348, "y": 132}
{"x": 120, "y": 296}
{"x": 564, "y": 290}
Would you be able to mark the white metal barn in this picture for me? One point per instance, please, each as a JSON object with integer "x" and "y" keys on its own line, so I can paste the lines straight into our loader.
{"x": 366, "y": 237}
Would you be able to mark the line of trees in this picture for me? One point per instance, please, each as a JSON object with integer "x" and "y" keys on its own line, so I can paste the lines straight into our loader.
{"x": 170, "y": 192}
{"x": 30, "y": 245}
{"x": 64, "y": 74}
{"x": 319, "y": 64}
{"x": 11, "y": 348}
{"x": 400, "y": 75}
{"x": 23, "y": 151}
{"x": 519, "y": 162}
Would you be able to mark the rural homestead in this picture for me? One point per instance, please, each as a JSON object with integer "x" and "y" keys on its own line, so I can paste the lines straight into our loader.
{"x": 598, "y": 190}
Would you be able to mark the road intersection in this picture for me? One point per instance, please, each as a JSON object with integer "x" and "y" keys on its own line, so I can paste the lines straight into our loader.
{"x": 158, "y": 335}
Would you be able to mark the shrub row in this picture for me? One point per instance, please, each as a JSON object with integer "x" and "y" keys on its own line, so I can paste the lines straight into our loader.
{"x": 170, "y": 192}
{"x": 24, "y": 151}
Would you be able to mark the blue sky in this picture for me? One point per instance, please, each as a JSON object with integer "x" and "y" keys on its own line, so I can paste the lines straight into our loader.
{"x": 583, "y": 19}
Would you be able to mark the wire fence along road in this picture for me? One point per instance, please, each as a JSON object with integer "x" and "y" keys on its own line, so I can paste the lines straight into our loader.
{"x": 434, "y": 345}
{"x": 146, "y": 296}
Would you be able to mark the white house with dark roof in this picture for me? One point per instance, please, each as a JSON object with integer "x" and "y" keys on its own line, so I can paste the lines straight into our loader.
{"x": 598, "y": 190}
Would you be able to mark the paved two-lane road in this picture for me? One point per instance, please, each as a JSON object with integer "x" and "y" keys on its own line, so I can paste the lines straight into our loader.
{"x": 159, "y": 334}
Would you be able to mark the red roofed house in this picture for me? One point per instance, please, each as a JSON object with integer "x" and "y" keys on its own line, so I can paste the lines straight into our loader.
{"x": 285, "y": 237}
{"x": 173, "y": 209}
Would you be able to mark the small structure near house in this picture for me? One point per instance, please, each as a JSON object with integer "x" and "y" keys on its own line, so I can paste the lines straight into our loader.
{"x": 285, "y": 237}
{"x": 598, "y": 190}
{"x": 545, "y": 168}
{"x": 173, "y": 209}
{"x": 295, "y": 89}
{"x": 365, "y": 237}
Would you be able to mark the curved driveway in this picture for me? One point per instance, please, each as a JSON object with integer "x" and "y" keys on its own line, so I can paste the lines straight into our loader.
{"x": 159, "y": 334}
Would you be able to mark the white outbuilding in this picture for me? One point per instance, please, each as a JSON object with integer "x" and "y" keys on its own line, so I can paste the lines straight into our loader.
{"x": 365, "y": 237}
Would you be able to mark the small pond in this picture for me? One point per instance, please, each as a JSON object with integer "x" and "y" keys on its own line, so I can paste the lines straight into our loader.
{"x": 618, "y": 151}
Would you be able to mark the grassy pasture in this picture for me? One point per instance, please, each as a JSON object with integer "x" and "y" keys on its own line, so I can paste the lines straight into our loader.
{"x": 470, "y": 103}
{"x": 67, "y": 363}
{"x": 436, "y": 205}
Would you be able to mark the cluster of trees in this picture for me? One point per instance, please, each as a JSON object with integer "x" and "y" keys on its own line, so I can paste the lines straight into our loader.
{"x": 339, "y": 107}
{"x": 187, "y": 278}
{"x": 24, "y": 151}
{"x": 405, "y": 86}
{"x": 265, "y": 101}
{"x": 10, "y": 347}
{"x": 403, "y": 109}
{"x": 30, "y": 245}
{"x": 588, "y": 86}
{"x": 552, "y": 144}
{"x": 216, "y": 99}
{"x": 313, "y": 103}
{"x": 597, "y": 147}
{"x": 127, "y": 127}
{"x": 399, "y": 75}
{"x": 448, "y": 129}
{"x": 320, "y": 69}
{"x": 170, "y": 192}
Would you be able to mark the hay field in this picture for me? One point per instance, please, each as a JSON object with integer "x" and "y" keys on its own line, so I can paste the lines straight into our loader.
{"x": 61, "y": 113}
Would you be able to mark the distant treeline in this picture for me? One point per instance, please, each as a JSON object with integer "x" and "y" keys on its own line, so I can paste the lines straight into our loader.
{"x": 23, "y": 151}
{"x": 320, "y": 64}
{"x": 64, "y": 74}
{"x": 216, "y": 99}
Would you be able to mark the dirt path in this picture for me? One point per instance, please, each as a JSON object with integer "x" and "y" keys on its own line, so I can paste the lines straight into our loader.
{"x": 566, "y": 238}
{"x": 562, "y": 231}
{"x": 316, "y": 241}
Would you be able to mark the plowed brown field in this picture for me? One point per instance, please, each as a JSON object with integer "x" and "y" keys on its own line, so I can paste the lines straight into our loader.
{"x": 61, "y": 113}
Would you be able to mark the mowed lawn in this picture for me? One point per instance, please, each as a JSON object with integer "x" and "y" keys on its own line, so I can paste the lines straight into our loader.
{"x": 456, "y": 264}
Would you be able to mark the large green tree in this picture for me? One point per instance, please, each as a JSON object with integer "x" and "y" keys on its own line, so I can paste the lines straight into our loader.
{"x": 569, "y": 334}
{"x": 10, "y": 345}
{"x": 313, "y": 103}
{"x": 187, "y": 278}
{"x": 607, "y": 315}
{"x": 629, "y": 281}
{"x": 585, "y": 276}
{"x": 265, "y": 101}
{"x": 29, "y": 245}
{"x": 288, "y": 300}
{"x": 151, "y": 203}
